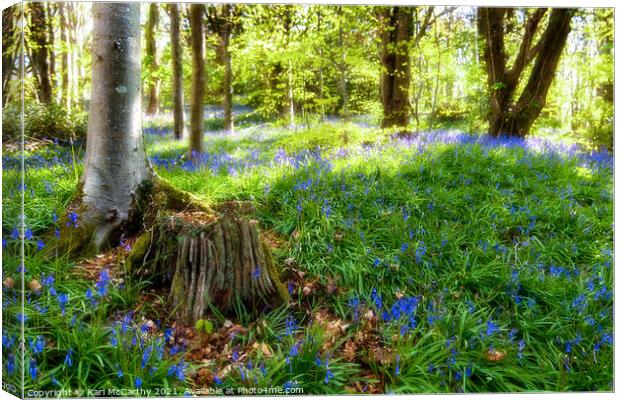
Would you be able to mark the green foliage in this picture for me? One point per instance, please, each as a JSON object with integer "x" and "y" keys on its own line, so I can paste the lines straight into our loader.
{"x": 504, "y": 246}
{"x": 41, "y": 121}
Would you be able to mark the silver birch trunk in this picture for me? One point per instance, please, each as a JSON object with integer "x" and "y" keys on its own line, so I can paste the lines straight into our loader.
{"x": 115, "y": 165}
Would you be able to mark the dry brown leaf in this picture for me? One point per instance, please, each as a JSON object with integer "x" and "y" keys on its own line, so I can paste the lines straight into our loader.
{"x": 349, "y": 350}
{"x": 34, "y": 285}
{"x": 262, "y": 348}
{"x": 8, "y": 282}
{"x": 495, "y": 355}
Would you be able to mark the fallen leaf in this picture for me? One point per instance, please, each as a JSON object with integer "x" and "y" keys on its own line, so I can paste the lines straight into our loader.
{"x": 495, "y": 355}
{"x": 34, "y": 285}
{"x": 8, "y": 282}
{"x": 349, "y": 350}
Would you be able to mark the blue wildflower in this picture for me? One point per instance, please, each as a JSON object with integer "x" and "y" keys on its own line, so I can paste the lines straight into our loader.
{"x": 37, "y": 345}
{"x": 491, "y": 328}
{"x": 33, "y": 369}
{"x": 63, "y": 299}
{"x": 73, "y": 219}
{"x": 68, "y": 361}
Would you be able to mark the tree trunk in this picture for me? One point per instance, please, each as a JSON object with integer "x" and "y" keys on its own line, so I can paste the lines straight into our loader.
{"x": 507, "y": 117}
{"x": 209, "y": 257}
{"x": 228, "y": 88}
{"x": 151, "y": 60}
{"x": 9, "y": 48}
{"x": 196, "y": 101}
{"x": 40, "y": 51}
{"x": 177, "y": 71}
{"x": 396, "y": 33}
{"x": 115, "y": 165}
{"x": 65, "y": 62}
{"x": 342, "y": 66}
{"x": 50, "y": 36}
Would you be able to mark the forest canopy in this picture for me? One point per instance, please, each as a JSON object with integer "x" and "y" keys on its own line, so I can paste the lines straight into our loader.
{"x": 297, "y": 63}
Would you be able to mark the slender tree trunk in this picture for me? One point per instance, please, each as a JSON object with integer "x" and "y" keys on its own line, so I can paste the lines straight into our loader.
{"x": 50, "y": 36}
{"x": 220, "y": 21}
{"x": 342, "y": 67}
{"x": 228, "y": 88}
{"x": 177, "y": 71}
{"x": 151, "y": 57}
{"x": 9, "y": 50}
{"x": 40, "y": 50}
{"x": 321, "y": 79}
{"x": 115, "y": 166}
{"x": 431, "y": 119}
{"x": 507, "y": 116}
{"x": 291, "y": 98}
{"x": 196, "y": 101}
{"x": 396, "y": 34}
{"x": 65, "y": 61}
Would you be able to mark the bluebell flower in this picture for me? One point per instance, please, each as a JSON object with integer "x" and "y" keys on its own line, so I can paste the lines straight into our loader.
{"x": 73, "y": 219}
{"x": 491, "y": 328}
{"x": 40, "y": 244}
{"x": 168, "y": 334}
{"x": 37, "y": 345}
{"x": 63, "y": 299}
{"x": 328, "y": 375}
{"x": 10, "y": 364}
{"x": 33, "y": 369}
{"x": 397, "y": 371}
{"x": 119, "y": 371}
{"x": 102, "y": 283}
{"x": 138, "y": 382}
{"x": 146, "y": 354}
{"x": 68, "y": 361}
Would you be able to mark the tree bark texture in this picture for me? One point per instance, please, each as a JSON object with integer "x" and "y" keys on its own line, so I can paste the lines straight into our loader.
{"x": 196, "y": 101}
{"x": 220, "y": 20}
{"x": 115, "y": 165}
{"x": 342, "y": 68}
{"x": 10, "y": 45}
{"x": 208, "y": 259}
{"x": 395, "y": 27}
{"x": 65, "y": 61}
{"x": 151, "y": 59}
{"x": 177, "y": 71}
{"x": 40, "y": 51}
{"x": 507, "y": 115}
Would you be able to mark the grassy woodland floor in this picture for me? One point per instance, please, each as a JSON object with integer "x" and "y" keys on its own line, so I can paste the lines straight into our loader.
{"x": 442, "y": 262}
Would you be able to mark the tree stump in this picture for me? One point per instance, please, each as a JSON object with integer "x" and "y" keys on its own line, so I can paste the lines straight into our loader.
{"x": 208, "y": 258}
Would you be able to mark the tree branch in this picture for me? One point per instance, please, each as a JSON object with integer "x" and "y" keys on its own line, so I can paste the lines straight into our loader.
{"x": 524, "y": 54}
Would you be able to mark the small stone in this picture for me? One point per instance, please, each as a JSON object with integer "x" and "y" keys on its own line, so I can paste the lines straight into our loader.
{"x": 228, "y": 324}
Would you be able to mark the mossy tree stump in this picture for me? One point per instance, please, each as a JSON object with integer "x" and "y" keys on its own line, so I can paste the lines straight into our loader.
{"x": 209, "y": 258}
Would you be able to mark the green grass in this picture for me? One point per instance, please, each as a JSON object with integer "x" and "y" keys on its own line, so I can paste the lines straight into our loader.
{"x": 487, "y": 244}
